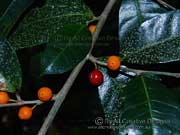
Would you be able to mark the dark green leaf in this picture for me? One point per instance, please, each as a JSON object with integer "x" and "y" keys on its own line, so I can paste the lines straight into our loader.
{"x": 66, "y": 49}
{"x": 149, "y": 108}
{"x": 148, "y": 32}
{"x": 12, "y": 14}
{"x": 3, "y": 5}
{"x": 42, "y": 23}
{"x": 10, "y": 71}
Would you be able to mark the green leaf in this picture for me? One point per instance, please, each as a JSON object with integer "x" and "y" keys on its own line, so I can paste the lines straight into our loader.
{"x": 3, "y": 5}
{"x": 10, "y": 71}
{"x": 12, "y": 14}
{"x": 149, "y": 34}
{"x": 66, "y": 49}
{"x": 43, "y": 23}
{"x": 149, "y": 108}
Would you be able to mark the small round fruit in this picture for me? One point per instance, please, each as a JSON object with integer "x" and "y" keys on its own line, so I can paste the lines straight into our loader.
{"x": 113, "y": 63}
{"x": 92, "y": 28}
{"x": 96, "y": 77}
{"x": 25, "y": 113}
{"x": 45, "y": 94}
{"x": 4, "y": 97}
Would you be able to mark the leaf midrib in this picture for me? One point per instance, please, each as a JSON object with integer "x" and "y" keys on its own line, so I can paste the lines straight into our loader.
{"x": 57, "y": 16}
{"x": 140, "y": 17}
{"x": 59, "y": 54}
{"x": 148, "y": 102}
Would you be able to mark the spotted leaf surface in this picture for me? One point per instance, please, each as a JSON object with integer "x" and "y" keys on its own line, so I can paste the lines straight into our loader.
{"x": 149, "y": 34}
{"x": 42, "y": 23}
{"x": 112, "y": 95}
{"x": 10, "y": 71}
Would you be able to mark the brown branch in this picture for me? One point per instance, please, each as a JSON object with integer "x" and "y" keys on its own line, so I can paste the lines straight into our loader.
{"x": 64, "y": 91}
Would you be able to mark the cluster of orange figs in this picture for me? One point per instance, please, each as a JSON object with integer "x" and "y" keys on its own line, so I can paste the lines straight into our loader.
{"x": 25, "y": 112}
{"x": 45, "y": 94}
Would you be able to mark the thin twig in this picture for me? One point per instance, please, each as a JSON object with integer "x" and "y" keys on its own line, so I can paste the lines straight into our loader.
{"x": 140, "y": 72}
{"x": 102, "y": 19}
{"x": 166, "y": 4}
{"x": 95, "y": 60}
{"x": 21, "y": 102}
{"x": 136, "y": 71}
{"x": 18, "y": 96}
{"x": 94, "y": 19}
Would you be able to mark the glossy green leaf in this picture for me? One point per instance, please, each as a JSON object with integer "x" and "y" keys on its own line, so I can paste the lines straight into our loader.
{"x": 149, "y": 33}
{"x": 10, "y": 71}
{"x": 66, "y": 49}
{"x": 111, "y": 93}
{"x": 43, "y": 23}
{"x": 147, "y": 108}
{"x": 12, "y": 14}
